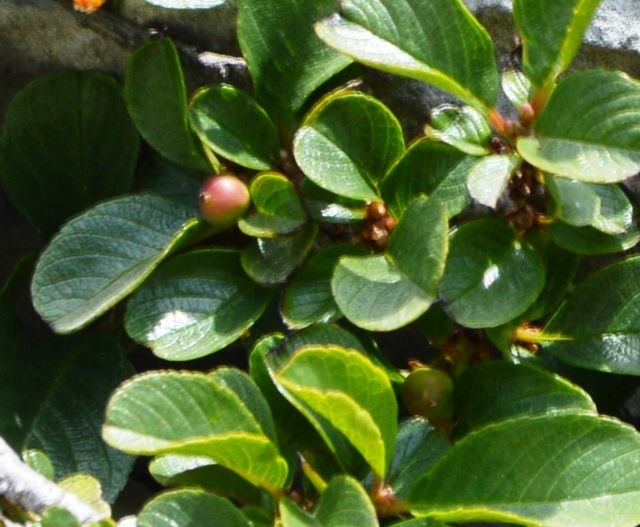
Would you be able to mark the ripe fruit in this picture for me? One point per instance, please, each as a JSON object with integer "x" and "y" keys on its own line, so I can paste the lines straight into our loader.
{"x": 429, "y": 392}
{"x": 223, "y": 199}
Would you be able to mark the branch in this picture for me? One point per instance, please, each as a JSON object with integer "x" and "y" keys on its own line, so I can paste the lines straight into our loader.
{"x": 26, "y": 488}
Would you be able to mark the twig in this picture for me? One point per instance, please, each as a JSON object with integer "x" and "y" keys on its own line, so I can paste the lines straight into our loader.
{"x": 26, "y": 488}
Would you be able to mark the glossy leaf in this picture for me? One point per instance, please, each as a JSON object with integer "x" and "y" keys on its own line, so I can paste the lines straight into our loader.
{"x": 156, "y": 96}
{"x": 68, "y": 142}
{"x": 188, "y": 4}
{"x": 100, "y": 257}
{"x": 373, "y": 294}
{"x": 434, "y": 169}
{"x": 194, "y": 305}
{"x": 278, "y": 211}
{"x": 419, "y": 243}
{"x": 190, "y": 508}
{"x": 234, "y": 126}
{"x": 461, "y": 127}
{"x": 578, "y": 470}
{"x": 589, "y": 130}
{"x": 270, "y": 261}
{"x": 517, "y": 87}
{"x": 587, "y": 240}
{"x": 348, "y": 390}
{"x": 328, "y": 207}
{"x": 307, "y": 298}
{"x": 438, "y": 42}
{"x": 286, "y": 59}
{"x": 494, "y": 391}
{"x": 347, "y": 143}
{"x": 551, "y": 34}
{"x": 604, "y": 207}
{"x": 489, "y": 177}
{"x": 61, "y": 412}
{"x": 603, "y": 334}
{"x": 192, "y": 414}
{"x": 490, "y": 276}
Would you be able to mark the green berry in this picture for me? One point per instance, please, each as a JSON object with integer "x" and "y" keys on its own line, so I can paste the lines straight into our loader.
{"x": 223, "y": 199}
{"x": 428, "y": 392}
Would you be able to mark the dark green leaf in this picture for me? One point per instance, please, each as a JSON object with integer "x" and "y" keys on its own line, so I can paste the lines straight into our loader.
{"x": 270, "y": 261}
{"x": 598, "y": 326}
{"x": 434, "y": 169}
{"x": 234, "y": 126}
{"x": 571, "y": 470}
{"x": 190, "y": 508}
{"x": 286, "y": 59}
{"x": 194, "y": 305}
{"x": 328, "y": 207}
{"x": 308, "y": 298}
{"x": 589, "y": 129}
{"x": 587, "y": 240}
{"x": 490, "y": 277}
{"x": 438, "y": 42}
{"x": 278, "y": 207}
{"x": 495, "y": 391}
{"x": 68, "y": 143}
{"x": 156, "y": 96}
{"x": 100, "y": 257}
{"x": 347, "y": 143}
{"x": 461, "y": 127}
{"x": 551, "y": 34}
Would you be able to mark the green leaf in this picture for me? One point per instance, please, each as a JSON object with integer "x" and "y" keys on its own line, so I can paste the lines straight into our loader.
{"x": 490, "y": 276}
{"x": 307, "y": 298}
{"x": 348, "y": 390}
{"x": 461, "y": 127}
{"x": 68, "y": 142}
{"x": 438, "y": 42}
{"x": 373, "y": 294}
{"x": 435, "y": 169}
{"x": 286, "y": 59}
{"x": 418, "y": 447}
{"x": 190, "y": 508}
{"x": 270, "y": 261}
{"x": 604, "y": 207}
{"x": 344, "y": 503}
{"x": 551, "y": 34}
{"x": 517, "y": 87}
{"x": 489, "y": 177}
{"x": 234, "y": 126}
{"x": 419, "y": 243}
{"x": 156, "y": 96}
{"x": 61, "y": 411}
{"x": 587, "y": 240}
{"x": 39, "y": 461}
{"x": 278, "y": 211}
{"x": 192, "y": 414}
{"x": 88, "y": 489}
{"x": 187, "y": 4}
{"x": 347, "y": 143}
{"x": 575, "y": 470}
{"x": 192, "y": 471}
{"x": 194, "y": 305}
{"x": 589, "y": 129}
{"x": 58, "y": 517}
{"x": 494, "y": 391}
{"x": 325, "y": 206}
{"x": 597, "y": 327}
{"x": 100, "y": 257}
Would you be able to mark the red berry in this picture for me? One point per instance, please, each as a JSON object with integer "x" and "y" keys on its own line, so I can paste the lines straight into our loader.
{"x": 223, "y": 199}
{"x": 429, "y": 392}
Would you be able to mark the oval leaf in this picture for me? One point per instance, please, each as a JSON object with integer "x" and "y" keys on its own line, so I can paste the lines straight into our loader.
{"x": 100, "y": 257}
{"x": 156, "y": 96}
{"x": 192, "y": 414}
{"x": 587, "y": 240}
{"x": 68, "y": 142}
{"x": 234, "y": 126}
{"x": 413, "y": 38}
{"x": 461, "y": 127}
{"x": 603, "y": 334}
{"x": 490, "y": 277}
{"x": 517, "y": 87}
{"x": 347, "y": 143}
{"x": 194, "y": 305}
{"x": 578, "y": 470}
{"x": 348, "y": 390}
{"x": 187, "y": 4}
{"x": 489, "y": 177}
{"x": 589, "y": 130}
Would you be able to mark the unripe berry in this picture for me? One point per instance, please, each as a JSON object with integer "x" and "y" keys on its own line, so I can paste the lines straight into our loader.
{"x": 223, "y": 199}
{"x": 428, "y": 392}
